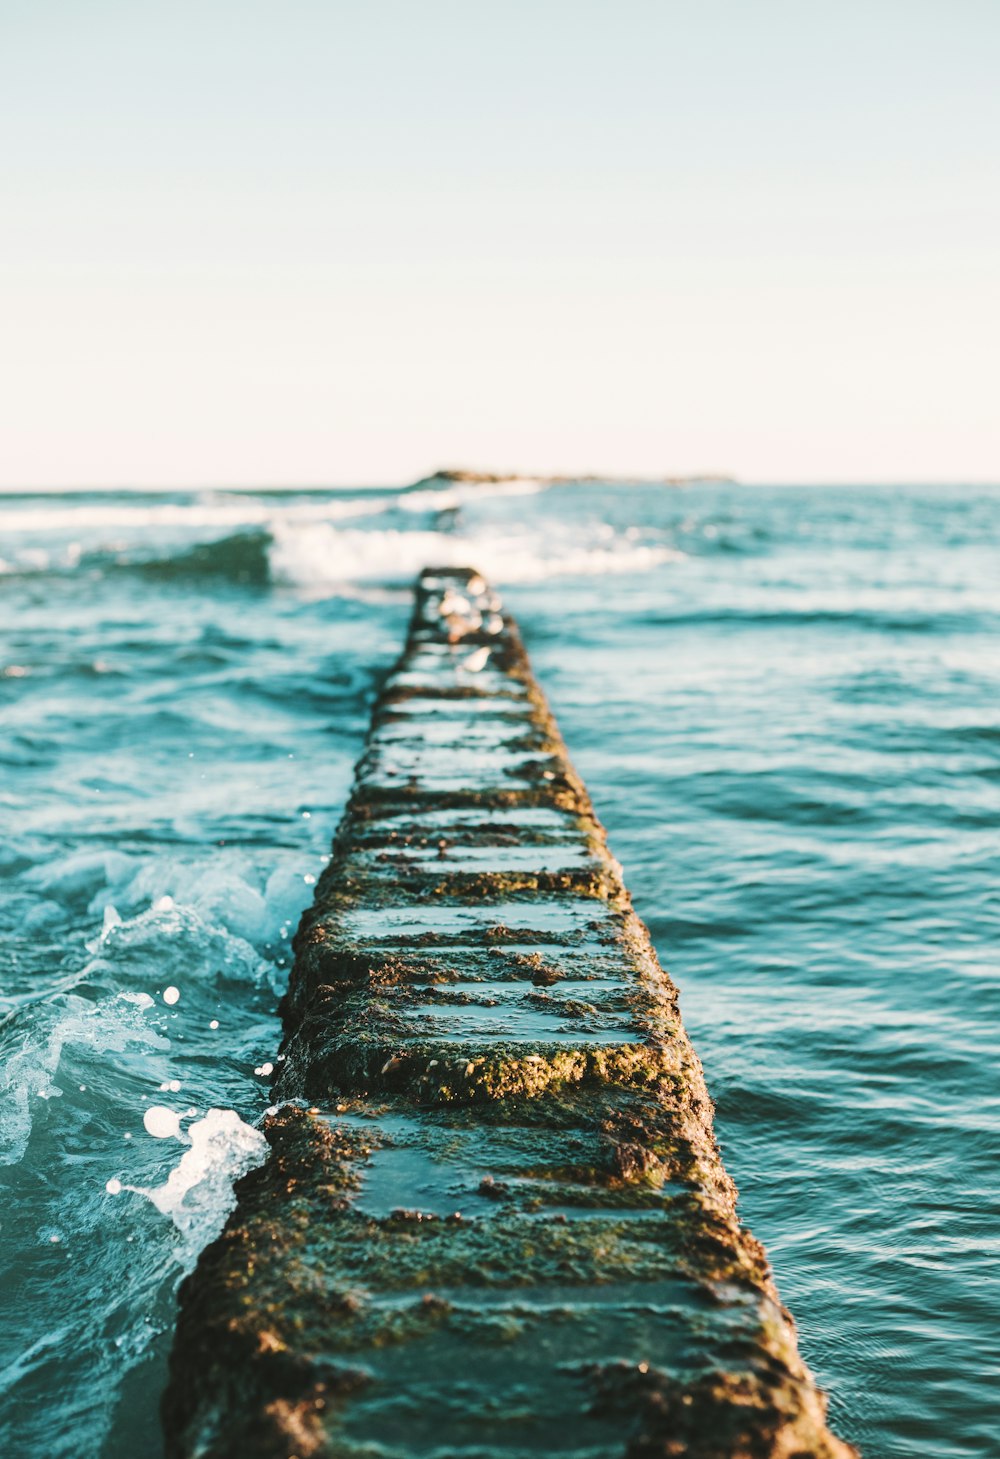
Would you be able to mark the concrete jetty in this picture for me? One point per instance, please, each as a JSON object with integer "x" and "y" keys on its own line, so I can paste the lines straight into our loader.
{"x": 494, "y": 1220}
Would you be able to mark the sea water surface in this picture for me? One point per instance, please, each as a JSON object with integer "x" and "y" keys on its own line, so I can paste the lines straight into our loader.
{"x": 786, "y": 704}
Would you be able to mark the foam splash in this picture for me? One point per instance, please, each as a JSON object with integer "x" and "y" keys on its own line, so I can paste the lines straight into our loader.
{"x": 162, "y": 1123}
{"x": 81, "y": 873}
{"x": 198, "y": 1194}
{"x": 231, "y": 894}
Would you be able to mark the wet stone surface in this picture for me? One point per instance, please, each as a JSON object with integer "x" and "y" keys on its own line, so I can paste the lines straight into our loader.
{"x": 494, "y": 1220}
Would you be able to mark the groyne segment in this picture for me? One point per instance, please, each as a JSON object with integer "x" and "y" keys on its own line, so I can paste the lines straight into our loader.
{"x": 494, "y": 1220}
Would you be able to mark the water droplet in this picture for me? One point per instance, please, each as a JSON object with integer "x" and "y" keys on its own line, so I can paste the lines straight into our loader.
{"x": 475, "y": 661}
{"x": 113, "y": 1186}
{"x": 161, "y": 1123}
{"x": 214, "y": 1023}
{"x": 171, "y": 995}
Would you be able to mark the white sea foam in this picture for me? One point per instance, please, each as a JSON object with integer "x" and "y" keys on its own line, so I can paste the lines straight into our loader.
{"x": 112, "y": 920}
{"x": 327, "y": 556}
{"x": 232, "y": 894}
{"x": 162, "y": 1123}
{"x": 141, "y": 1000}
{"x": 164, "y": 943}
{"x": 29, "y": 1072}
{"x": 310, "y": 548}
{"x": 226, "y": 512}
{"x": 81, "y": 873}
{"x": 198, "y": 1193}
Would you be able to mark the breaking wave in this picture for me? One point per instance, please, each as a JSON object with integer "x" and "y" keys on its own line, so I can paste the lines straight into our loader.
{"x": 319, "y": 554}
{"x": 231, "y": 509}
{"x": 328, "y": 556}
{"x": 127, "y": 1080}
{"x": 364, "y": 542}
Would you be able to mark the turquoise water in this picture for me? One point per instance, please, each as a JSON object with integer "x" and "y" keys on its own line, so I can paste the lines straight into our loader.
{"x": 786, "y": 703}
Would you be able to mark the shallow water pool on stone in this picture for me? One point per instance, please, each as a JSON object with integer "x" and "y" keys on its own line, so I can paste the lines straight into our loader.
{"x": 558, "y": 916}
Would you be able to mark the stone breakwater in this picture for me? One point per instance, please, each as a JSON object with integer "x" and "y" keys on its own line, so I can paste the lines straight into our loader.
{"x": 494, "y": 1220}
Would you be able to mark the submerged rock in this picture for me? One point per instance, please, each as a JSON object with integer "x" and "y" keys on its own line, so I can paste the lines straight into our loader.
{"x": 494, "y": 1220}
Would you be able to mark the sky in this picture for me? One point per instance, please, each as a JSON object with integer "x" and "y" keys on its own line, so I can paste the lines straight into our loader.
{"x": 348, "y": 241}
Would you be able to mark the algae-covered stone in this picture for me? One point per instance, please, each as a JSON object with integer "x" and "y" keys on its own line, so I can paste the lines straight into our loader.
{"x": 494, "y": 1221}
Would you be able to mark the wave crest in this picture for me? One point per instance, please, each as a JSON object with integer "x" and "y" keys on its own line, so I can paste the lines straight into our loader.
{"x": 326, "y": 556}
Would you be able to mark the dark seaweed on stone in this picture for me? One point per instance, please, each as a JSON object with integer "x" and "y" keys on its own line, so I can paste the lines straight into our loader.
{"x": 494, "y": 1220}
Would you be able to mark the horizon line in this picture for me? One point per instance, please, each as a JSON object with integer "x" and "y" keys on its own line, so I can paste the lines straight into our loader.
{"x": 499, "y": 478}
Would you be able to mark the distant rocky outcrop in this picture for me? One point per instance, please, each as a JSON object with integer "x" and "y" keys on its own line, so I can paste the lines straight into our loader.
{"x": 463, "y": 476}
{"x": 455, "y": 475}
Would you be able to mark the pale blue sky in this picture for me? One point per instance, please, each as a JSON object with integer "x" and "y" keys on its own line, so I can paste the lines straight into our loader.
{"x": 304, "y": 241}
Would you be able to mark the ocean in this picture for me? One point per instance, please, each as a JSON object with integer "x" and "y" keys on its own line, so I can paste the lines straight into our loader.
{"x": 785, "y": 702}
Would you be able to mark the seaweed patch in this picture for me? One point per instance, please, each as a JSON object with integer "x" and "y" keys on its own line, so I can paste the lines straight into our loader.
{"x": 494, "y": 1219}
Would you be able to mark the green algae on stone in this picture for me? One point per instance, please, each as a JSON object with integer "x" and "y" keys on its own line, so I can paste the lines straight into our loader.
{"x": 494, "y": 1221}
